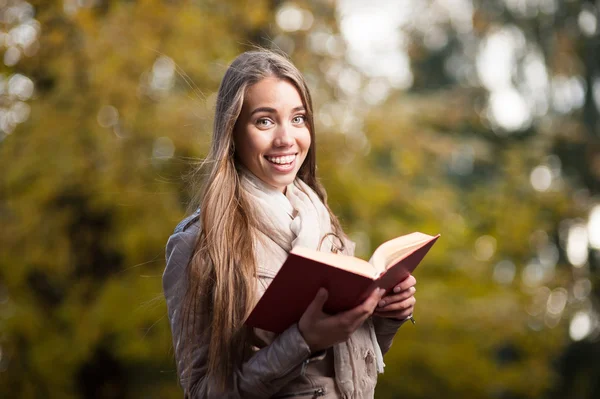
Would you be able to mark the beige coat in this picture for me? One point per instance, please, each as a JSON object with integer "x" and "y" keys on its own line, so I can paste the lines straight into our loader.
{"x": 280, "y": 366}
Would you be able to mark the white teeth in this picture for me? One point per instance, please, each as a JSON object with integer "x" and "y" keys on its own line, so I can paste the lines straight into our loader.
{"x": 281, "y": 160}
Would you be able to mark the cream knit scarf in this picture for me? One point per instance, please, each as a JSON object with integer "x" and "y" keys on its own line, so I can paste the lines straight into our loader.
{"x": 299, "y": 218}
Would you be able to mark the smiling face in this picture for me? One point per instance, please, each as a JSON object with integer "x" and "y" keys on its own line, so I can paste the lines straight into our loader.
{"x": 271, "y": 136}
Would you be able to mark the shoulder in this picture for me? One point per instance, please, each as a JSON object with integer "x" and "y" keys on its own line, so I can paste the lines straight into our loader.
{"x": 180, "y": 248}
{"x": 186, "y": 232}
{"x": 187, "y": 222}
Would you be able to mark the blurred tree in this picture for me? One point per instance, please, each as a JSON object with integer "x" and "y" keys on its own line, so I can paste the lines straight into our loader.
{"x": 433, "y": 158}
{"x": 105, "y": 105}
{"x": 492, "y": 142}
{"x": 91, "y": 184}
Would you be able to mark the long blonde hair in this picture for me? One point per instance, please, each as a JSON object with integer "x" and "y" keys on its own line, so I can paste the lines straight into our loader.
{"x": 222, "y": 272}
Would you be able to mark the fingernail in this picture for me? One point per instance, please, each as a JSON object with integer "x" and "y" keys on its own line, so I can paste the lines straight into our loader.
{"x": 397, "y": 289}
{"x": 381, "y": 291}
{"x": 381, "y": 304}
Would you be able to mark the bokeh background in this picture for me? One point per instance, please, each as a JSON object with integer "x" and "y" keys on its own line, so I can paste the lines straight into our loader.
{"x": 475, "y": 119}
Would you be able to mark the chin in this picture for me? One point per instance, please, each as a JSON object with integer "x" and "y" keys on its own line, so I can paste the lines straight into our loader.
{"x": 282, "y": 182}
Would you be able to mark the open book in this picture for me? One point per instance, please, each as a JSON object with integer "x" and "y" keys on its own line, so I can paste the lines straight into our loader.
{"x": 349, "y": 280}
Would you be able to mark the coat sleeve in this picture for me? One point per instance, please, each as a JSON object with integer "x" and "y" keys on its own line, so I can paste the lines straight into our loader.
{"x": 262, "y": 375}
{"x": 385, "y": 330}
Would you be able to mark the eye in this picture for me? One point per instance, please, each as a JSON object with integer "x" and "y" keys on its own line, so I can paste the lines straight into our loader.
{"x": 299, "y": 119}
{"x": 264, "y": 122}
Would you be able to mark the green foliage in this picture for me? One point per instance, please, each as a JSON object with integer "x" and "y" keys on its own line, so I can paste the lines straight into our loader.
{"x": 87, "y": 209}
{"x": 93, "y": 183}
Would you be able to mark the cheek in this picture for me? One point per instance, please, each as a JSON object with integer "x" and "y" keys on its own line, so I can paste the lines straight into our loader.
{"x": 251, "y": 145}
{"x": 304, "y": 140}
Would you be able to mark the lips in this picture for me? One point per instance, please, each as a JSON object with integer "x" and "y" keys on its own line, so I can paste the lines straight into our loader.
{"x": 281, "y": 159}
{"x": 282, "y": 163}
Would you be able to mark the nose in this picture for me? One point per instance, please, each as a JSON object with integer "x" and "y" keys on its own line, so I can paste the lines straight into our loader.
{"x": 283, "y": 136}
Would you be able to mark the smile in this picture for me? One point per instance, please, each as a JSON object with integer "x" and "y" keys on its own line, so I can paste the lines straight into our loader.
{"x": 281, "y": 160}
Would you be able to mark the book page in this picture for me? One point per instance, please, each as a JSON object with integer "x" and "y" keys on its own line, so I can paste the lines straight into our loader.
{"x": 345, "y": 262}
{"x": 390, "y": 252}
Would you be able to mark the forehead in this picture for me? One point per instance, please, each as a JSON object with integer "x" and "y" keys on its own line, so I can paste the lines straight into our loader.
{"x": 273, "y": 92}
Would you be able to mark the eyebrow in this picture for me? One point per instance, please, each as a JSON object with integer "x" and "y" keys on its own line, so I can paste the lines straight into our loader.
{"x": 273, "y": 110}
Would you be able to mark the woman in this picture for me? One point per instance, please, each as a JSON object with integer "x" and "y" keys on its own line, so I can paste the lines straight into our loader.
{"x": 261, "y": 198}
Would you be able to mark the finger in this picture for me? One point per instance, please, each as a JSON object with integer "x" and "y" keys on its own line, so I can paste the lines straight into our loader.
{"x": 371, "y": 302}
{"x": 316, "y": 306}
{"x": 408, "y": 282}
{"x": 400, "y": 315}
{"x": 364, "y": 309}
{"x": 387, "y": 299}
{"x": 405, "y": 304}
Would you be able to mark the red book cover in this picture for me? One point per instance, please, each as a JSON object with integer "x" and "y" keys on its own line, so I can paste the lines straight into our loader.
{"x": 305, "y": 271}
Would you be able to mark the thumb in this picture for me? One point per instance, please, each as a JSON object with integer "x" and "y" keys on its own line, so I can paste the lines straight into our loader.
{"x": 317, "y": 304}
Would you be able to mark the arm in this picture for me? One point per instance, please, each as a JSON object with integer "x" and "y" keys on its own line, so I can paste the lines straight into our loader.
{"x": 265, "y": 373}
{"x": 274, "y": 366}
{"x": 385, "y": 330}
{"x": 393, "y": 310}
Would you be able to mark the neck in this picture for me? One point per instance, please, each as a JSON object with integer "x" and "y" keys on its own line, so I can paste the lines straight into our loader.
{"x": 258, "y": 183}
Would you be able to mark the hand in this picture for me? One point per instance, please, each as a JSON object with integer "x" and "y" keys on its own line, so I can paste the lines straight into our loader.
{"x": 400, "y": 303}
{"x": 320, "y": 330}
